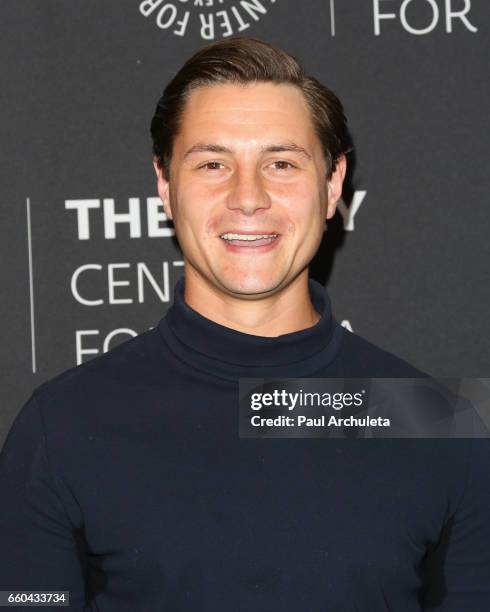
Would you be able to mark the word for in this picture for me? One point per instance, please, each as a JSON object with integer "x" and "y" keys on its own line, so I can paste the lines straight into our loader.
{"x": 452, "y": 10}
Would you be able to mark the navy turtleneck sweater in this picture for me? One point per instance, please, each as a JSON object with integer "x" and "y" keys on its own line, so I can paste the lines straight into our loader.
{"x": 124, "y": 482}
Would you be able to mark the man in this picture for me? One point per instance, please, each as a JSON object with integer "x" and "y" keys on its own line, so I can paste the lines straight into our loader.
{"x": 124, "y": 480}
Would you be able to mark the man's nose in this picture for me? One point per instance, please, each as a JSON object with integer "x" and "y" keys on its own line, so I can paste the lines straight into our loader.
{"x": 248, "y": 192}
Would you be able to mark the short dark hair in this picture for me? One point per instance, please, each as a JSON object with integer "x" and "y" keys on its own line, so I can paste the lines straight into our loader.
{"x": 245, "y": 60}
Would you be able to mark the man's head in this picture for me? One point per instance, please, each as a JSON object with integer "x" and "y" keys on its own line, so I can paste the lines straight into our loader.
{"x": 245, "y": 143}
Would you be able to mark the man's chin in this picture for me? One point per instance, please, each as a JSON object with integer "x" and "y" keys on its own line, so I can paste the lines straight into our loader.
{"x": 251, "y": 288}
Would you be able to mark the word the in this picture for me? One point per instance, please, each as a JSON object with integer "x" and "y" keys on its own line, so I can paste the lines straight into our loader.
{"x": 131, "y": 219}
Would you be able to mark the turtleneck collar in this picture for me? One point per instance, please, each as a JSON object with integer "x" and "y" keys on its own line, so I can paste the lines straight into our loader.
{"x": 228, "y": 353}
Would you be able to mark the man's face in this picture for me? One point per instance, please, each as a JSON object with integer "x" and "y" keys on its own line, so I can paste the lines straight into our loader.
{"x": 247, "y": 161}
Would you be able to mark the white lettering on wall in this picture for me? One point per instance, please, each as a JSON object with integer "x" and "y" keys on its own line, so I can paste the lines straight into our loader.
{"x": 136, "y": 278}
{"x": 115, "y": 222}
{"x": 229, "y": 20}
{"x": 385, "y": 10}
{"x": 82, "y": 207}
{"x": 349, "y": 213}
{"x": 81, "y": 351}
{"x": 132, "y": 217}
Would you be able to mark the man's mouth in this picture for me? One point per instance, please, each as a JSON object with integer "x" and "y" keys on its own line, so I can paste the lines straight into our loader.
{"x": 248, "y": 240}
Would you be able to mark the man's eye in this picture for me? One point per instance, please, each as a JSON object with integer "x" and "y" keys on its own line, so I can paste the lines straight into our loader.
{"x": 211, "y": 166}
{"x": 282, "y": 165}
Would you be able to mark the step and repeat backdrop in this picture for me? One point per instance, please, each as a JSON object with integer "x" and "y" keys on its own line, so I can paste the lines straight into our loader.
{"x": 89, "y": 258}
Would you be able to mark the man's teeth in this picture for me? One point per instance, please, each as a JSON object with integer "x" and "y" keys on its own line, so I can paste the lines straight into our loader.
{"x": 247, "y": 236}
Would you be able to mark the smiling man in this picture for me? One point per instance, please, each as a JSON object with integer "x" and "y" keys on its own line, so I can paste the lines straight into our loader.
{"x": 249, "y": 188}
{"x": 124, "y": 481}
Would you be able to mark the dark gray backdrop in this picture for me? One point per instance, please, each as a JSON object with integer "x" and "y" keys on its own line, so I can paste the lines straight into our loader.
{"x": 408, "y": 269}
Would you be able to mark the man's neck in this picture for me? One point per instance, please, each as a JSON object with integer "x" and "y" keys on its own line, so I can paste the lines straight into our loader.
{"x": 286, "y": 311}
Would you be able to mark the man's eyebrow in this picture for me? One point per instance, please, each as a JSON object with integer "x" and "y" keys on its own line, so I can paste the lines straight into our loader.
{"x": 289, "y": 146}
{"x": 202, "y": 147}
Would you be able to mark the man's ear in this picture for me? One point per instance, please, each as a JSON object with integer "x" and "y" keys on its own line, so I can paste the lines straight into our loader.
{"x": 163, "y": 189}
{"x": 334, "y": 186}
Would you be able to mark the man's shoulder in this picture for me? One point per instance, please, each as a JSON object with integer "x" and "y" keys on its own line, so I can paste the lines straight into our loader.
{"x": 363, "y": 358}
{"x": 105, "y": 391}
{"x": 134, "y": 363}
